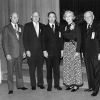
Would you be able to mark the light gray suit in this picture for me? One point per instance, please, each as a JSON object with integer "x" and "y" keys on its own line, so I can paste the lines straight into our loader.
{"x": 14, "y": 47}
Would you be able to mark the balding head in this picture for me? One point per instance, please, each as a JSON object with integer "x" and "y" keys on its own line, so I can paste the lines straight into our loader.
{"x": 14, "y": 18}
{"x": 35, "y": 17}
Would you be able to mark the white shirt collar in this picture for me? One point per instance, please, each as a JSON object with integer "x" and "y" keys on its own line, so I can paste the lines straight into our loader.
{"x": 89, "y": 24}
{"x": 35, "y": 23}
{"x": 13, "y": 25}
{"x": 52, "y": 24}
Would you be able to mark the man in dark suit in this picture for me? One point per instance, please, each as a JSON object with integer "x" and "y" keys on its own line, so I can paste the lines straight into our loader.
{"x": 32, "y": 39}
{"x": 52, "y": 51}
{"x": 91, "y": 51}
{"x": 13, "y": 49}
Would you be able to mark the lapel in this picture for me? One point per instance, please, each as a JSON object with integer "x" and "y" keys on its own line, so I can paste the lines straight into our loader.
{"x": 88, "y": 30}
{"x": 12, "y": 31}
{"x": 40, "y": 29}
{"x": 92, "y": 29}
{"x": 20, "y": 33}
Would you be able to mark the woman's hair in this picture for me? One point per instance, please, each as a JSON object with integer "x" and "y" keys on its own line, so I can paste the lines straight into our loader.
{"x": 68, "y": 11}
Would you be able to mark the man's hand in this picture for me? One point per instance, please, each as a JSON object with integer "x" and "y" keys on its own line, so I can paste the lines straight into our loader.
{"x": 99, "y": 56}
{"x": 45, "y": 54}
{"x": 28, "y": 53}
{"x": 9, "y": 57}
{"x": 72, "y": 27}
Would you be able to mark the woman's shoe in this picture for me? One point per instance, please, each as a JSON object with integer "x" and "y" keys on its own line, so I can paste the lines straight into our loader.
{"x": 74, "y": 89}
{"x": 69, "y": 88}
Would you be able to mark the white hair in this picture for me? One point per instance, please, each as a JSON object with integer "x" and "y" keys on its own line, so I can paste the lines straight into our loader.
{"x": 68, "y": 11}
{"x": 89, "y": 12}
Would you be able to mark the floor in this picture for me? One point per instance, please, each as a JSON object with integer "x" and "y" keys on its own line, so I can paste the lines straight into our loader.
{"x": 43, "y": 94}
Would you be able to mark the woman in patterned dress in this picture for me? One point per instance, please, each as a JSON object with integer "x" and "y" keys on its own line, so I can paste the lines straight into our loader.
{"x": 72, "y": 74}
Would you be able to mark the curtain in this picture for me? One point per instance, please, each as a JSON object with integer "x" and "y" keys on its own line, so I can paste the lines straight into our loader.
{"x": 25, "y": 8}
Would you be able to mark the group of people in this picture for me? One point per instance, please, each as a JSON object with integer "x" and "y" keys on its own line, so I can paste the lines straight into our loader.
{"x": 51, "y": 42}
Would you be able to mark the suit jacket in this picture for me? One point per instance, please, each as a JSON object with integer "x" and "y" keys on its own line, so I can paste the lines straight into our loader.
{"x": 11, "y": 44}
{"x": 52, "y": 41}
{"x": 91, "y": 45}
{"x": 30, "y": 39}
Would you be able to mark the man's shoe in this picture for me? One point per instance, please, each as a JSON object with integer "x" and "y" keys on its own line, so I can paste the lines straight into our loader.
{"x": 88, "y": 90}
{"x": 22, "y": 88}
{"x": 10, "y": 92}
{"x": 41, "y": 86}
{"x": 94, "y": 93}
{"x": 33, "y": 88}
{"x": 49, "y": 89}
{"x": 58, "y": 87}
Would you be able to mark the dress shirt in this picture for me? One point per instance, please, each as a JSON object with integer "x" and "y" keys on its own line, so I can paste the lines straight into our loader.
{"x": 36, "y": 26}
{"x": 15, "y": 26}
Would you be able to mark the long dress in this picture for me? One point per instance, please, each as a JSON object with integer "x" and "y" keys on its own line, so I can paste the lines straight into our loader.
{"x": 72, "y": 72}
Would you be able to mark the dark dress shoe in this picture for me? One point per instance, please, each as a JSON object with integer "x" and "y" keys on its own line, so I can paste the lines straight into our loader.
{"x": 68, "y": 88}
{"x": 10, "y": 92}
{"x": 49, "y": 89}
{"x": 33, "y": 88}
{"x": 41, "y": 86}
{"x": 22, "y": 88}
{"x": 58, "y": 87}
{"x": 74, "y": 89}
{"x": 88, "y": 90}
{"x": 94, "y": 93}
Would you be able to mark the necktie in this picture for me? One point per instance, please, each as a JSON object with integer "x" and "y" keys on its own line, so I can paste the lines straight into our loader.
{"x": 89, "y": 26}
{"x": 53, "y": 28}
{"x": 16, "y": 29}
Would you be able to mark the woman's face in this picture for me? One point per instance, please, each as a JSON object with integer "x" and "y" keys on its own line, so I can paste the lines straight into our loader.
{"x": 69, "y": 17}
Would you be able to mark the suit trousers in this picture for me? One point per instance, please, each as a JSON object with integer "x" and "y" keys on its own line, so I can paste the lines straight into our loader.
{"x": 53, "y": 67}
{"x": 15, "y": 65}
{"x": 35, "y": 62}
{"x": 93, "y": 71}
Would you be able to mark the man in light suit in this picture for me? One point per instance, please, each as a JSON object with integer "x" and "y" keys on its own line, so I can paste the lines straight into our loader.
{"x": 32, "y": 39}
{"x": 13, "y": 49}
{"x": 91, "y": 51}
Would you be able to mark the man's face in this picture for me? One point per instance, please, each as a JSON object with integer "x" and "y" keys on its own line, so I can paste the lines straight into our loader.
{"x": 88, "y": 17}
{"x": 35, "y": 17}
{"x": 52, "y": 18}
{"x": 14, "y": 18}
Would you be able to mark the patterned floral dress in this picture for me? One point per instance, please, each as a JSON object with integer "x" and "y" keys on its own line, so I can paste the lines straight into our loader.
{"x": 72, "y": 73}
